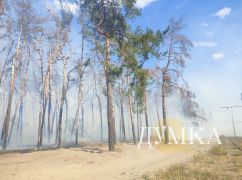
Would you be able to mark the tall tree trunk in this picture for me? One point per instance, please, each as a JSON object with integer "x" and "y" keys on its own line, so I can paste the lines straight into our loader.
{"x": 163, "y": 95}
{"x": 80, "y": 94}
{"x": 82, "y": 132}
{"x": 164, "y": 110}
{"x": 93, "y": 93}
{"x": 13, "y": 122}
{"x": 99, "y": 104}
{"x": 20, "y": 119}
{"x": 146, "y": 112}
{"x": 40, "y": 120}
{"x": 57, "y": 129}
{"x": 50, "y": 64}
{"x": 77, "y": 123}
{"x": 110, "y": 115}
{"x": 43, "y": 101}
{"x": 77, "y": 118}
{"x": 138, "y": 121}
{"x": 12, "y": 85}
{"x": 122, "y": 115}
{"x": 42, "y": 124}
{"x": 49, "y": 110}
{"x": 66, "y": 122}
{"x": 22, "y": 95}
{"x": 131, "y": 118}
{"x": 101, "y": 116}
{"x": 6, "y": 121}
{"x": 158, "y": 115}
{"x": 53, "y": 118}
{"x": 63, "y": 96}
{"x": 60, "y": 116}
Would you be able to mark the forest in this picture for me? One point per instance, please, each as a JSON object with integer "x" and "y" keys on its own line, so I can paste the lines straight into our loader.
{"x": 88, "y": 75}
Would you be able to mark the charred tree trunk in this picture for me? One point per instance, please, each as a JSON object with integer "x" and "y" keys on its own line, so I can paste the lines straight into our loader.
{"x": 42, "y": 124}
{"x": 41, "y": 102}
{"x": 60, "y": 116}
{"x": 63, "y": 97}
{"x": 40, "y": 119}
{"x": 20, "y": 119}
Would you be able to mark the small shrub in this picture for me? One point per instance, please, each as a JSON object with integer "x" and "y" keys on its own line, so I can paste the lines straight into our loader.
{"x": 235, "y": 152}
{"x": 203, "y": 175}
{"x": 217, "y": 151}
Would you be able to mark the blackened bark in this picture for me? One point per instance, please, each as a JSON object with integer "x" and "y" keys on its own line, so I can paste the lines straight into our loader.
{"x": 60, "y": 116}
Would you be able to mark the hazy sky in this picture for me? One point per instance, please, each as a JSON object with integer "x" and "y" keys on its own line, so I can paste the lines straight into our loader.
{"x": 214, "y": 73}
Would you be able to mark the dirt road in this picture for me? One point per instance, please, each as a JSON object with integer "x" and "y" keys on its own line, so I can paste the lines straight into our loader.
{"x": 93, "y": 163}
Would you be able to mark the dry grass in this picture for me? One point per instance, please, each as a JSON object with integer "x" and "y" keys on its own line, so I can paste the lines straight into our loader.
{"x": 217, "y": 151}
{"x": 219, "y": 163}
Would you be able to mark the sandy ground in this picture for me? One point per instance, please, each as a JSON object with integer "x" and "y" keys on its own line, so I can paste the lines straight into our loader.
{"x": 92, "y": 163}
